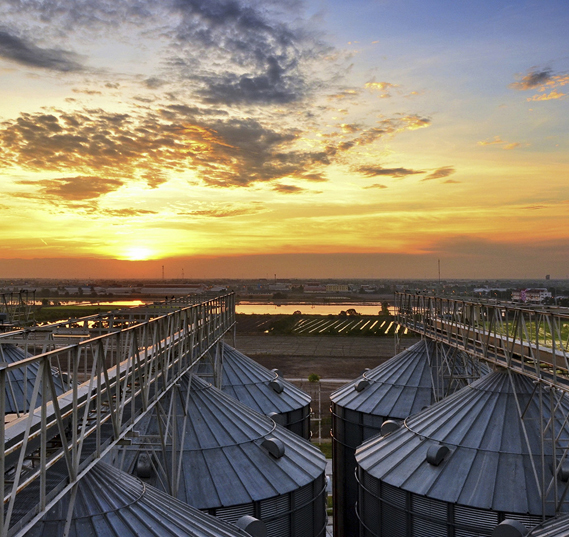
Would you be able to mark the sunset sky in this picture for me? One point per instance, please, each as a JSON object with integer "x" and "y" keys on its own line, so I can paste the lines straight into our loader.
{"x": 231, "y": 138}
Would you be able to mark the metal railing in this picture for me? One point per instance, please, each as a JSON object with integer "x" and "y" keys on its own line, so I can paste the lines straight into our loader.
{"x": 528, "y": 340}
{"x": 110, "y": 382}
{"x": 531, "y": 341}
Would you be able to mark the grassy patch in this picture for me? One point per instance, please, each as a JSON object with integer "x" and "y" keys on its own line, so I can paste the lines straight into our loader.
{"x": 325, "y": 447}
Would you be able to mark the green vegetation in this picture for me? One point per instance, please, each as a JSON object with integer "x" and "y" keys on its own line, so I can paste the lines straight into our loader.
{"x": 325, "y": 447}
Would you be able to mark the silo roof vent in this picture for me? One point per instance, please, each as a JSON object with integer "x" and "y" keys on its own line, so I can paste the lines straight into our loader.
{"x": 274, "y": 446}
{"x": 144, "y": 466}
{"x": 436, "y": 454}
{"x": 277, "y": 385}
{"x": 510, "y": 528}
{"x": 253, "y": 526}
{"x": 361, "y": 385}
{"x": 389, "y": 426}
{"x": 279, "y": 419}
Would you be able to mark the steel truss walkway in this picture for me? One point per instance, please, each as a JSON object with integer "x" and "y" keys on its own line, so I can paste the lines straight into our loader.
{"x": 114, "y": 370}
{"x": 532, "y": 341}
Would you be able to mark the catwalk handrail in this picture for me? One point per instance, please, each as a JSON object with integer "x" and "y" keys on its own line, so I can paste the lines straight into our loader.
{"x": 533, "y": 341}
{"x": 110, "y": 383}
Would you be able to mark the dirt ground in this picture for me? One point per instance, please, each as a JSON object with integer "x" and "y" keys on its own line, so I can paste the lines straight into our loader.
{"x": 336, "y": 360}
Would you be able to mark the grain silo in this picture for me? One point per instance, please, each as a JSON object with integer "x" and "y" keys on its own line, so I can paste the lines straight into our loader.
{"x": 235, "y": 462}
{"x": 557, "y": 527}
{"x": 111, "y": 503}
{"x": 20, "y": 381}
{"x": 400, "y": 387}
{"x": 262, "y": 390}
{"x": 465, "y": 464}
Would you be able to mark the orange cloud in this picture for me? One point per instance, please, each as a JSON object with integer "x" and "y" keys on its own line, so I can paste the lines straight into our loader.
{"x": 380, "y": 86}
{"x": 547, "y": 96}
{"x": 498, "y": 141}
{"x": 544, "y": 80}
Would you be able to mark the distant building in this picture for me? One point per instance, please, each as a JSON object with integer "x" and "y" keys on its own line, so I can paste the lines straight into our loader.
{"x": 280, "y": 286}
{"x": 336, "y": 288}
{"x": 531, "y": 296}
{"x": 368, "y": 288}
{"x": 314, "y": 287}
{"x": 165, "y": 289}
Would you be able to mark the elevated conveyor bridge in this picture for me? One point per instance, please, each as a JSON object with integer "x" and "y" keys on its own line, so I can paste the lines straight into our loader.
{"x": 524, "y": 339}
{"x": 115, "y": 369}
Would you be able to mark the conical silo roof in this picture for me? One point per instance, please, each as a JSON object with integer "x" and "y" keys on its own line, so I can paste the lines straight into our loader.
{"x": 227, "y": 454}
{"x": 111, "y": 503}
{"x": 20, "y": 382}
{"x": 262, "y": 390}
{"x": 488, "y": 464}
{"x": 403, "y": 385}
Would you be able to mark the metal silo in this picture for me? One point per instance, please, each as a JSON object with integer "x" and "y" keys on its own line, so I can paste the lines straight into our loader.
{"x": 111, "y": 503}
{"x": 400, "y": 387}
{"x": 20, "y": 382}
{"x": 557, "y": 527}
{"x": 467, "y": 463}
{"x": 234, "y": 461}
{"x": 262, "y": 390}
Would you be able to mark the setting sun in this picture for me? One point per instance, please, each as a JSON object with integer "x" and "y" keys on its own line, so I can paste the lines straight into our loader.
{"x": 138, "y": 253}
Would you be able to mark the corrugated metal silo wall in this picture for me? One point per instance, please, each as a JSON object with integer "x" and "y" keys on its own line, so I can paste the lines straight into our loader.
{"x": 388, "y": 511}
{"x": 301, "y": 513}
{"x": 350, "y": 430}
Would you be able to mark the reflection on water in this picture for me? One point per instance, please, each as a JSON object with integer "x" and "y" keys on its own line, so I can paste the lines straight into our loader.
{"x": 119, "y": 303}
{"x": 309, "y": 309}
{"x": 369, "y": 308}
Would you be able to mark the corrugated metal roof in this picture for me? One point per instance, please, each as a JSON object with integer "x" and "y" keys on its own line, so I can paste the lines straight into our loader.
{"x": 224, "y": 463}
{"x": 248, "y": 382}
{"x": 20, "y": 382}
{"x": 558, "y": 527}
{"x": 401, "y": 386}
{"x": 489, "y": 465}
{"x": 111, "y": 503}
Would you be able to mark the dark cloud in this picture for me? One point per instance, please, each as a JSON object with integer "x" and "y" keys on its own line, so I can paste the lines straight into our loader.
{"x": 316, "y": 177}
{"x": 376, "y": 185}
{"x": 154, "y": 82}
{"x": 74, "y": 188}
{"x": 533, "y": 79}
{"x": 87, "y": 91}
{"x": 124, "y": 213}
{"x": 226, "y": 211}
{"x": 26, "y": 53}
{"x": 373, "y": 171}
{"x": 288, "y": 189}
{"x": 445, "y": 171}
{"x": 267, "y": 88}
{"x": 92, "y": 14}
{"x": 259, "y": 54}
